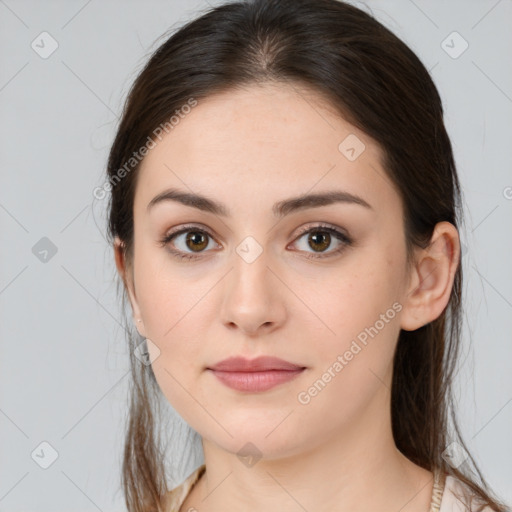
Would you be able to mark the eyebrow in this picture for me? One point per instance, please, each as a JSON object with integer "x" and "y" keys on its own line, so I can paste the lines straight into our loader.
{"x": 280, "y": 209}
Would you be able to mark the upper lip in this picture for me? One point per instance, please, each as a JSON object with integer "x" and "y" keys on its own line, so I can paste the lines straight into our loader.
{"x": 259, "y": 364}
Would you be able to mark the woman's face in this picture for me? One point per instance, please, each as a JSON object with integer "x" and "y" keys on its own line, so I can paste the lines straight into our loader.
{"x": 264, "y": 276}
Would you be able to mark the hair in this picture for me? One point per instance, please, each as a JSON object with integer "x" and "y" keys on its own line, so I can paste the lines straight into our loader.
{"x": 376, "y": 83}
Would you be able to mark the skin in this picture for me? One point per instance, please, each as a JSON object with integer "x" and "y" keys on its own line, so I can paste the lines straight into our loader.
{"x": 249, "y": 149}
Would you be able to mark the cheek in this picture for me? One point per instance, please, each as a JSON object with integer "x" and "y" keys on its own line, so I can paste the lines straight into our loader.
{"x": 361, "y": 306}
{"x": 354, "y": 366}
{"x": 354, "y": 299}
{"x": 171, "y": 320}
{"x": 165, "y": 298}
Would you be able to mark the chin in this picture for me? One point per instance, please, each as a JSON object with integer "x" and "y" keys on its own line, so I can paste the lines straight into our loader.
{"x": 258, "y": 439}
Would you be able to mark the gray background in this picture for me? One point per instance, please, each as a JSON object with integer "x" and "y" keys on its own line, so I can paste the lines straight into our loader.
{"x": 63, "y": 365}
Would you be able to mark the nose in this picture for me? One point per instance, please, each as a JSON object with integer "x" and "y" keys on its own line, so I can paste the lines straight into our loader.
{"x": 253, "y": 301}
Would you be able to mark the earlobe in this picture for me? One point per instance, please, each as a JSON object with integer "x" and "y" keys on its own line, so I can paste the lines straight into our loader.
{"x": 119, "y": 257}
{"x": 126, "y": 277}
{"x": 432, "y": 280}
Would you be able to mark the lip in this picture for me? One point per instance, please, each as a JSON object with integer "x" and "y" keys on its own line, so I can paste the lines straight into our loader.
{"x": 259, "y": 364}
{"x": 260, "y": 374}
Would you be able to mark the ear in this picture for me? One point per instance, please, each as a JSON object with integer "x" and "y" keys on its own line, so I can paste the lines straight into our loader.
{"x": 126, "y": 273}
{"x": 432, "y": 278}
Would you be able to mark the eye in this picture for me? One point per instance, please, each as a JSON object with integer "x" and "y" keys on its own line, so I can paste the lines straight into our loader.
{"x": 188, "y": 238}
{"x": 320, "y": 238}
{"x": 189, "y": 242}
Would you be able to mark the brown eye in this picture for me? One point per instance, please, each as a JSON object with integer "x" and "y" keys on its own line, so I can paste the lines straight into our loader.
{"x": 322, "y": 241}
{"x": 187, "y": 241}
{"x": 196, "y": 240}
{"x": 319, "y": 240}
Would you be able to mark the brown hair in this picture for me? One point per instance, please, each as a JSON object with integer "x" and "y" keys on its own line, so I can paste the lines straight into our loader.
{"x": 376, "y": 83}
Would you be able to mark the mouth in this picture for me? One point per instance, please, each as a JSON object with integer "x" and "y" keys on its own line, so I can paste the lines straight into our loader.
{"x": 256, "y": 375}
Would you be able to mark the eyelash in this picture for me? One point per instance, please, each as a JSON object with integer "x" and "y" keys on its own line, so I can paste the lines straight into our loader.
{"x": 342, "y": 237}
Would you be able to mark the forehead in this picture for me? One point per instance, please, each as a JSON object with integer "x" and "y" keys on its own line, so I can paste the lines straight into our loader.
{"x": 272, "y": 140}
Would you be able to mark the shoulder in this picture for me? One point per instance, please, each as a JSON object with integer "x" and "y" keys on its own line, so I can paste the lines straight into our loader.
{"x": 175, "y": 498}
{"x": 458, "y": 497}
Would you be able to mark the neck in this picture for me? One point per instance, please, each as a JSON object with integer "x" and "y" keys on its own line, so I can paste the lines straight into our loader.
{"x": 356, "y": 469}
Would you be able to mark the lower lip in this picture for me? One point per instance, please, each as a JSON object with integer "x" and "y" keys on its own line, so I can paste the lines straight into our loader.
{"x": 256, "y": 381}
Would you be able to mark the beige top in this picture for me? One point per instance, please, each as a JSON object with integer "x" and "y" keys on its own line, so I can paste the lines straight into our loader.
{"x": 445, "y": 493}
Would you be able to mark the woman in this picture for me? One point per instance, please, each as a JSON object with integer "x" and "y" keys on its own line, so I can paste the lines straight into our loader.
{"x": 284, "y": 212}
